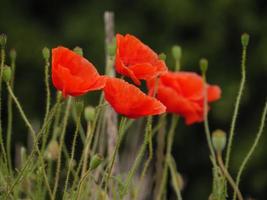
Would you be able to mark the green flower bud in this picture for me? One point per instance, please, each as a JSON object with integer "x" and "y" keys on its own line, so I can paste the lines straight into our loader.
{"x": 7, "y": 73}
{"x": 162, "y": 56}
{"x": 78, "y": 50}
{"x": 244, "y": 39}
{"x": 219, "y": 140}
{"x": 13, "y": 54}
{"x": 52, "y": 150}
{"x": 95, "y": 161}
{"x": 79, "y": 107}
{"x": 177, "y": 52}
{"x": 46, "y": 53}
{"x": 89, "y": 113}
{"x": 203, "y": 63}
{"x": 3, "y": 39}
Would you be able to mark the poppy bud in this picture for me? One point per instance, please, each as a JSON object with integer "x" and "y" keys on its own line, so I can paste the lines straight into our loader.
{"x": 203, "y": 63}
{"x": 46, "y": 53}
{"x": 3, "y": 39}
{"x": 219, "y": 140}
{"x": 244, "y": 39}
{"x": 7, "y": 73}
{"x": 112, "y": 48}
{"x": 13, "y": 54}
{"x": 78, "y": 50}
{"x": 162, "y": 56}
{"x": 89, "y": 113}
{"x": 79, "y": 107}
{"x": 52, "y": 150}
{"x": 177, "y": 52}
{"x": 95, "y": 161}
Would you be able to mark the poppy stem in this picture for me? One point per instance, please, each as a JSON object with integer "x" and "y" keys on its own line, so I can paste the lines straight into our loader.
{"x": 150, "y": 154}
{"x": 228, "y": 176}
{"x": 70, "y": 164}
{"x": 160, "y": 153}
{"x": 237, "y": 105}
{"x": 170, "y": 138}
{"x": 253, "y": 147}
{"x": 115, "y": 152}
{"x": 65, "y": 121}
{"x": 3, "y": 56}
{"x": 31, "y": 156}
{"x": 10, "y": 110}
{"x": 33, "y": 134}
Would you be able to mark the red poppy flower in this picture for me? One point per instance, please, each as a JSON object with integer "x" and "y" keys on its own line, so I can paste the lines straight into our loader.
{"x": 136, "y": 60}
{"x": 130, "y": 101}
{"x": 72, "y": 74}
{"x": 183, "y": 93}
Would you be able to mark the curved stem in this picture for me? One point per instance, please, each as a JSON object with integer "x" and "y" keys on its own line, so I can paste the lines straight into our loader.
{"x": 10, "y": 115}
{"x": 236, "y": 108}
{"x": 253, "y": 147}
{"x": 48, "y": 93}
{"x": 33, "y": 134}
{"x": 228, "y": 176}
{"x": 150, "y": 153}
{"x": 72, "y": 152}
{"x": 168, "y": 153}
{"x": 121, "y": 134}
{"x": 65, "y": 120}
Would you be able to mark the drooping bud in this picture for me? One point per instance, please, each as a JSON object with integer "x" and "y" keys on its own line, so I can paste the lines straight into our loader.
{"x": 177, "y": 52}
{"x": 52, "y": 150}
{"x": 78, "y": 50}
{"x": 3, "y": 40}
{"x": 89, "y": 113}
{"x": 13, "y": 54}
{"x": 162, "y": 56}
{"x": 203, "y": 63}
{"x": 46, "y": 53}
{"x": 7, "y": 73}
{"x": 244, "y": 39}
{"x": 95, "y": 161}
{"x": 219, "y": 140}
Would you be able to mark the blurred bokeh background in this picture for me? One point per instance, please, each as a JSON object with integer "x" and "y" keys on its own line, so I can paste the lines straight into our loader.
{"x": 207, "y": 28}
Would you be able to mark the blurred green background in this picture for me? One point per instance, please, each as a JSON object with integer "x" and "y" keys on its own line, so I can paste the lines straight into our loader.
{"x": 207, "y": 28}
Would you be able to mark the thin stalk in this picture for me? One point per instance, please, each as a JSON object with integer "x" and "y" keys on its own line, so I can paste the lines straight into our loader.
{"x": 138, "y": 159}
{"x": 150, "y": 154}
{"x": 237, "y": 105}
{"x": 33, "y": 134}
{"x": 47, "y": 87}
{"x": 228, "y": 176}
{"x": 115, "y": 152}
{"x": 10, "y": 115}
{"x": 253, "y": 147}
{"x": 173, "y": 169}
{"x": 87, "y": 144}
{"x": 31, "y": 156}
{"x": 65, "y": 121}
{"x": 1, "y": 128}
{"x": 160, "y": 152}
{"x": 170, "y": 138}
{"x": 72, "y": 152}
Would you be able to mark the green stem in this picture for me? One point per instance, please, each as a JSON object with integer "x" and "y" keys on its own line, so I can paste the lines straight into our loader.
{"x": 113, "y": 158}
{"x": 48, "y": 93}
{"x": 138, "y": 159}
{"x": 173, "y": 169}
{"x": 236, "y": 108}
{"x": 168, "y": 152}
{"x": 65, "y": 120}
{"x": 150, "y": 153}
{"x": 87, "y": 145}
{"x": 39, "y": 135}
{"x": 72, "y": 152}
{"x": 1, "y": 128}
{"x": 253, "y": 147}
{"x": 33, "y": 134}
{"x": 10, "y": 115}
{"x": 228, "y": 176}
